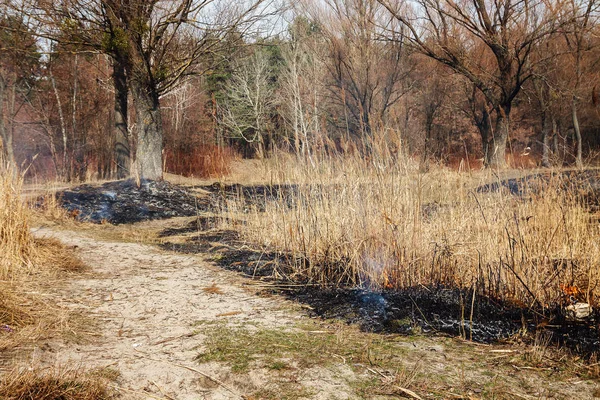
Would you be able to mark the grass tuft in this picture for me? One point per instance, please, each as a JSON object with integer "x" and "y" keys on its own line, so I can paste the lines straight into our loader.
{"x": 52, "y": 385}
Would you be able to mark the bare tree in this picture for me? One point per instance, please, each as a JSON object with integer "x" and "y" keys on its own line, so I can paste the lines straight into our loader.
{"x": 19, "y": 58}
{"x": 488, "y": 42}
{"x": 366, "y": 74}
{"x": 249, "y": 102}
{"x": 577, "y": 37}
{"x": 301, "y": 93}
{"x": 154, "y": 44}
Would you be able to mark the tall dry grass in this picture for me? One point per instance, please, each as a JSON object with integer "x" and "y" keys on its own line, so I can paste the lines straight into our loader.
{"x": 16, "y": 242}
{"x": 381, "y": 223}
{"x": 28, "y": 271}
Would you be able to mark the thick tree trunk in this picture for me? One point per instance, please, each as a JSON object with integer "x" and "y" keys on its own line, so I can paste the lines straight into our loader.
{"x": 121, "y": 134}
{"x": 496, "y": 155}
{"x": 484, "y": 126}
{"x": 5, "y": 134}
{"x": 579, "y": 154}
{"x": 149, "y": 132}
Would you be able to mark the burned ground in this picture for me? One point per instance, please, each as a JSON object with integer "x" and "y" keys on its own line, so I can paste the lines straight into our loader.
{"x": 418, "y": 310}
{"x": 432, "y": 310}
{"x": 123, "y": 202}
{"x": 585, "y": 184}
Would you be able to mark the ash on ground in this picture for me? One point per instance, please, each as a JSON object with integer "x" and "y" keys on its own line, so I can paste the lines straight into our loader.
{"x": 441, "y": 310}
{"x": 124, "y": 202}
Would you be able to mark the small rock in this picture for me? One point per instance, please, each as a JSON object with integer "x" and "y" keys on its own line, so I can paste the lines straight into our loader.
{"x": 578, "y": 311}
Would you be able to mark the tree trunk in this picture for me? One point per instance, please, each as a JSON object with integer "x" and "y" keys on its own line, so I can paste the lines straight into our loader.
{"x": 5, "y": 134}
{"x": 555, "y": 130}
{"x": 66, "y": 170}
{"x": 121, "y": 134}
{"x": 496, "y": 156}
{"x": 149, "y": 132}
{"x": 546, "y": 134}
{"x": 579, "y": 154}
{"x": 260, "y": 148}
{"x": 484, "y": 126}
{"x": 543, "y": 98}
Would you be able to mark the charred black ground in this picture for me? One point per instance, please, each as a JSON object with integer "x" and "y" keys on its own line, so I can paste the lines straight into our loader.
{"x": 123, "y": 202}
{"x": 584, "y": 184}
{"x": 431, "y": 310}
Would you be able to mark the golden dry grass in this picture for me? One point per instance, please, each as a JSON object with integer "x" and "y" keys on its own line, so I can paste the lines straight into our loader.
{"x": 53, "y": 384}
{"x": 16, "y": 243}
{"x": 383, "y": 223}
{"x": 29, "y": 269}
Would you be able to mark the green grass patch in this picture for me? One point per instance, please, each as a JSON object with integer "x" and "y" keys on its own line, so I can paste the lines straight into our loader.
{"x": 285, "y": 352}
{"x": 300, "y": 347}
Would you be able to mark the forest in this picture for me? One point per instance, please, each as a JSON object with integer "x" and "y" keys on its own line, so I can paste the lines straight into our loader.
{"x": 99, "y": 89}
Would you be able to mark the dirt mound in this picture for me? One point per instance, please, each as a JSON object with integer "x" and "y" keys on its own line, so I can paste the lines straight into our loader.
{"x": 123, "y": 202}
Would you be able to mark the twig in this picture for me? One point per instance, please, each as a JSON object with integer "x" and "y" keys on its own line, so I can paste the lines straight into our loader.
{"x": 409, "y": 392}
{"x": 162, "y": 391}
{"x": 471, "y": 316}
{"x": 337, "y": 355}
{"x": 191, "y": 334}
{"x": 421, "y": 312}
{"x": 212, "y": 378}
{"x": 373, "y": 371}
{"x": 146, "y": 394}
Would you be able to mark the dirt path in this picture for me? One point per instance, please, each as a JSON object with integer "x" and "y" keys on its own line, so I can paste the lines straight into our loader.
{"x": 150, "y": 308}
{"x": 147, "y": 303}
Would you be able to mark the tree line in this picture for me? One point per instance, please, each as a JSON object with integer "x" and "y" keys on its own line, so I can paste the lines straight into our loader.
{"x": 115, "y": 88}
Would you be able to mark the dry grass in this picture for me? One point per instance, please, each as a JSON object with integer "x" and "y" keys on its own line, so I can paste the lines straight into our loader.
{"x": 29, "y": 269}
{"x": 383, "y": 223}
{"x": 52, "y": 385}
{"x": 26, "y": 266}
{"x": 48, "y": 209}
{"x": 53, "y": 255}
{"x": 16, "y": 243}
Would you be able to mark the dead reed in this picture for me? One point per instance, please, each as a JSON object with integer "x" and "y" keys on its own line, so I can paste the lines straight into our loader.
{"x": 29, "y": 270}
{"x": 381, "y": 223}
{"x": 16, "y": 243}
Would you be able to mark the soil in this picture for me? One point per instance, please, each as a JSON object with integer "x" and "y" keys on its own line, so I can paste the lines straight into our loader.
{"x": 429, "y": 310}
{"x": 125, "y": 202}
{"x": 148, "y": 306}
{"x": 584, "y": 183}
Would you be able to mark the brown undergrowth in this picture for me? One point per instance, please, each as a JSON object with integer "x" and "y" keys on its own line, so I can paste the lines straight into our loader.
{"x": 29, "y": 270}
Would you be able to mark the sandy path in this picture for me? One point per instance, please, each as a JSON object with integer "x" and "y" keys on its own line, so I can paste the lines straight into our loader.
{"x": 147, "y": 303}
